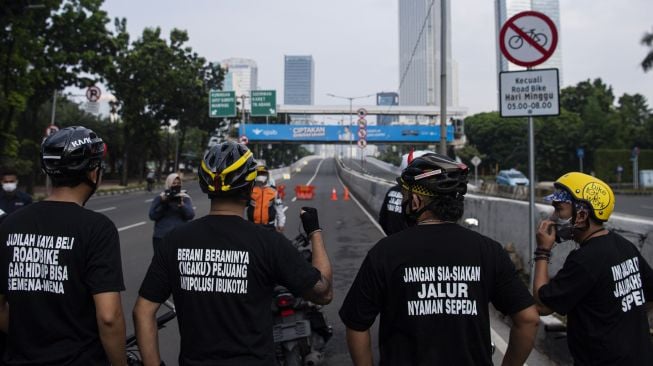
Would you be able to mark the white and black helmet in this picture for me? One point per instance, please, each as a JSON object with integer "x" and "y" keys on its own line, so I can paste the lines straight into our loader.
{"x": 72, "y": 151}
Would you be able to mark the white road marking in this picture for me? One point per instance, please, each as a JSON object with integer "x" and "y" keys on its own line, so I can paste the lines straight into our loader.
{"x": 647, "y": 207}
{"x": 316, "y": 171}
{"x": 294, "y": 199}
{"x": 372, "y": 219}
{"x": 132, "y": 226}
{"x": 105, "y": 209}
{"x": 149, "y": 200}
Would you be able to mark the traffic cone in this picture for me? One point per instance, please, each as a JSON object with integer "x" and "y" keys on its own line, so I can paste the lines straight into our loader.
{"x": 345, "y": 197}
{"x": 334, "y": 195}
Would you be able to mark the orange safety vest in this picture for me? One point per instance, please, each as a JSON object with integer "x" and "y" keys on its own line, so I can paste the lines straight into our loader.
{"x": 261, "y": 209}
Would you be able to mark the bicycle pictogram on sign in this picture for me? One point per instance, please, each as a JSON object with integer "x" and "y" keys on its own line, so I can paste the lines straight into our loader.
{"x": 528, "y": 39}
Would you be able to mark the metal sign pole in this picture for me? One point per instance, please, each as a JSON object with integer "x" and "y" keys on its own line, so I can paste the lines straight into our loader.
{"x": 531, "y": 193}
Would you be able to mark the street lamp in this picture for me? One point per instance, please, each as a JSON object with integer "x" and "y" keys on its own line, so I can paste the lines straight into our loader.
{"x": 351, "y": 122}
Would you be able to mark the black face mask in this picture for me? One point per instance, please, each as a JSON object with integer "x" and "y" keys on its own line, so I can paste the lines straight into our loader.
{"x": 409, "y": 217}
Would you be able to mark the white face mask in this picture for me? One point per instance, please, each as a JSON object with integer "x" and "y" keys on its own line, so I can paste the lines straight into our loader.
{"x": 9, "y": 187}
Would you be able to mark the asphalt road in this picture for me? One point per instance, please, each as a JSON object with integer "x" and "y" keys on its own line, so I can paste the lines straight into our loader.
{"x": 349, "y": 233}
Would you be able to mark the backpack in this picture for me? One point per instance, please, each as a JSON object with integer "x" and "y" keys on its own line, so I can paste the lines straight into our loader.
{"x": 261, "y": 209}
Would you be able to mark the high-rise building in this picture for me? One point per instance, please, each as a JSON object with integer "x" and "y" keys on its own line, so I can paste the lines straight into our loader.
{"x": 505, "y": 9}
{"x": 299, "y": 80}
{"x": 419, "y": 52}
{"x": 389, "y": 99}
{"x": 241, "y": 77}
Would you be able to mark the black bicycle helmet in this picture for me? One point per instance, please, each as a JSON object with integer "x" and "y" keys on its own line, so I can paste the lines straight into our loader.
{"x": 71, "y": 151}
{"x": 434, "y": 174}
{"x": 227, "y": 169}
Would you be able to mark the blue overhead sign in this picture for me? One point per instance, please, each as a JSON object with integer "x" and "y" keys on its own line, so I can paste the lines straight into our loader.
{"x": 343, "y": 134}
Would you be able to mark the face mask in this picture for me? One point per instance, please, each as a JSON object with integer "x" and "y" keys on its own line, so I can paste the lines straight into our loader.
{"x": 410, "y": 217}
{"x": 9, "y": 187}
{"x": 261, "y": 179}
{"x": 564, "y": 229}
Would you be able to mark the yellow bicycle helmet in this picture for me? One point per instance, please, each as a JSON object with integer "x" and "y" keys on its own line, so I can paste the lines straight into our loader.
{"x": 591, "y": 190}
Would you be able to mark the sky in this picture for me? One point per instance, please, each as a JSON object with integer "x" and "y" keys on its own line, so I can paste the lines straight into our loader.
{"x": 355, "y": 42}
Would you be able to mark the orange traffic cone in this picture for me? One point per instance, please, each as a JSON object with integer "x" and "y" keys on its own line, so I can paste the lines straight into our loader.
{"x": 345, "y": 197}
{"x": 334, "y": 195}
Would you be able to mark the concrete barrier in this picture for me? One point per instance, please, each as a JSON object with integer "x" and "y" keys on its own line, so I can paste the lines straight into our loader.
{"x": 504, "y": 220}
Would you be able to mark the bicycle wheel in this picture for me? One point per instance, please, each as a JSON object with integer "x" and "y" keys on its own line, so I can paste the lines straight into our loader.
{"x": 541, "y": 39}
{"x": 515, "y": 42}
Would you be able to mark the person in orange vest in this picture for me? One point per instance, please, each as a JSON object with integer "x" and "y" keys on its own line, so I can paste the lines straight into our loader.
{"x": 265, "y": 207}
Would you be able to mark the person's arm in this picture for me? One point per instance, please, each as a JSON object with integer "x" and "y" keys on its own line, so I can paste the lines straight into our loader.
{"x": 322, "y": 292}
{"x": 111, "y": 326}
{"x": 280, "y": 220}
{"x": 360, "y": 347}
{"x": 522, "y": 336}
{"x": 545, "y": 239}
{"x": 4, "y": 314}
{"x": 147, "y": 332}
{"x": 157, "y": 207}
{"x": 186, "y": 207}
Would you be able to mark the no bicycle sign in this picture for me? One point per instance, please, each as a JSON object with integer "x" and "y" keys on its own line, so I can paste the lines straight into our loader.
{"x": 528, "y": 38}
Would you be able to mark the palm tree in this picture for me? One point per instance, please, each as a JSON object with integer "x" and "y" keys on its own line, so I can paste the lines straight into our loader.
{"x": 647, "y": 40}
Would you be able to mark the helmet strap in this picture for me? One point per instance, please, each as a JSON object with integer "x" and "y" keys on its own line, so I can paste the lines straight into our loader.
{"x": 93, "y": 185}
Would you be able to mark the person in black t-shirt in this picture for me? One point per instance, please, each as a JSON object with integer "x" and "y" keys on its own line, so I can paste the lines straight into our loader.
{"x": 221, "y": 270}
{"x": 11, "y": 199}
{"x": 432, "y": 282}
{"x": 391, "y": 217}
{"x": 61, "y": 272}
{"x": 603, "y": 286}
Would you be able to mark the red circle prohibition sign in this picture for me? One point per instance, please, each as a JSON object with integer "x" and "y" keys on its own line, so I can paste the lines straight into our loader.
{"x": 528, "y": 37}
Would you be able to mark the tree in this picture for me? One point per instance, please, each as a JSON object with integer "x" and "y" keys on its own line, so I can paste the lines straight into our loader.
{"x": 647, "y": 40}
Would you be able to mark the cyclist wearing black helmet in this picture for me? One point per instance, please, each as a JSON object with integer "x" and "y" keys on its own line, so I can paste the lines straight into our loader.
{"x": 432, "y": 282}
{"x": 221, "y": 270}
{"x": 61, "y": 273}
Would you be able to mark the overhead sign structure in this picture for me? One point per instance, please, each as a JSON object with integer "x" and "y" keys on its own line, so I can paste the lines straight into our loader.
{"x": 341, "y": 134}
{"x": 264, "y": 103}
{"x": 93, "y": 93}
{"x": 222, "y": 104}
{"x": 529, "y": 93}
{"x": 528, "y": 38}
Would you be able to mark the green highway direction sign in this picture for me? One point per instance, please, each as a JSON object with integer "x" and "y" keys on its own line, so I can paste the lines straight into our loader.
{"x": 222, "y": 104}
{"x": 264, "y": 103}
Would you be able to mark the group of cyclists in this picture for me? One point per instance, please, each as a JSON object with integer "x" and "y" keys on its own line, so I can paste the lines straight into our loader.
{"x": 431, "y": 280}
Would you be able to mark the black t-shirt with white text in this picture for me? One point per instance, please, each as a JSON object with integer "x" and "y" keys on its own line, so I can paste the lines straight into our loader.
{"x": 221, "y": 271}
{"x": 432, "y": 285}
{"x": 391, "y": 216}
{"x": 603, "y": 287}
{"x": 54, "y": 257}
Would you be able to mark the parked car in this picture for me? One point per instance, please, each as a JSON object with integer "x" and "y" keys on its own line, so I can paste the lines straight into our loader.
{"x": 511, "y": 178}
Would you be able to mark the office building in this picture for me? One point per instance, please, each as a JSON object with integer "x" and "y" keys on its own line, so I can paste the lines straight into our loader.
{"x": 505, "y": 9}
{"x": 419, "y": 52}
{"x": 389, "y": 99}
{"x": 299, "y": 80}
{"x": 241, "y": 76}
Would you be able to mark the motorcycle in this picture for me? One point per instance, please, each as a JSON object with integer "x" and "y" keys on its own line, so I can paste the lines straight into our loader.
{"x": 300, "y": 329}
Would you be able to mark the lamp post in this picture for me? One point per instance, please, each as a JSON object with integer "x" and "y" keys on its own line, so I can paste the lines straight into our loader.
{"x": 351, "y": 126}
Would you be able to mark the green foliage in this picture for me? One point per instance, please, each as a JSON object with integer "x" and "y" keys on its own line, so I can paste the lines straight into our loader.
{"x": 589, "y": 118}
{"x": 607, "y": 161}
{"x": 647, "y": 40}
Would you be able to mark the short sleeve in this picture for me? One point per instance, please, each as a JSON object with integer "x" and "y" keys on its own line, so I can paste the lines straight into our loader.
{"x": 290, "y": 268}
{"x": 364, "y": 299}
{"x": 156, "y": 286}
{"x": 647, "y": 278}
{"x": 510, "y": 295}
{"x": 103, "y": 263}
{"x": 567, "y": 288}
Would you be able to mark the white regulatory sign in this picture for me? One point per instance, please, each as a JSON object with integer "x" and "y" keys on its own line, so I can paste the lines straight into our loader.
{"x": 530, "y": 93}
